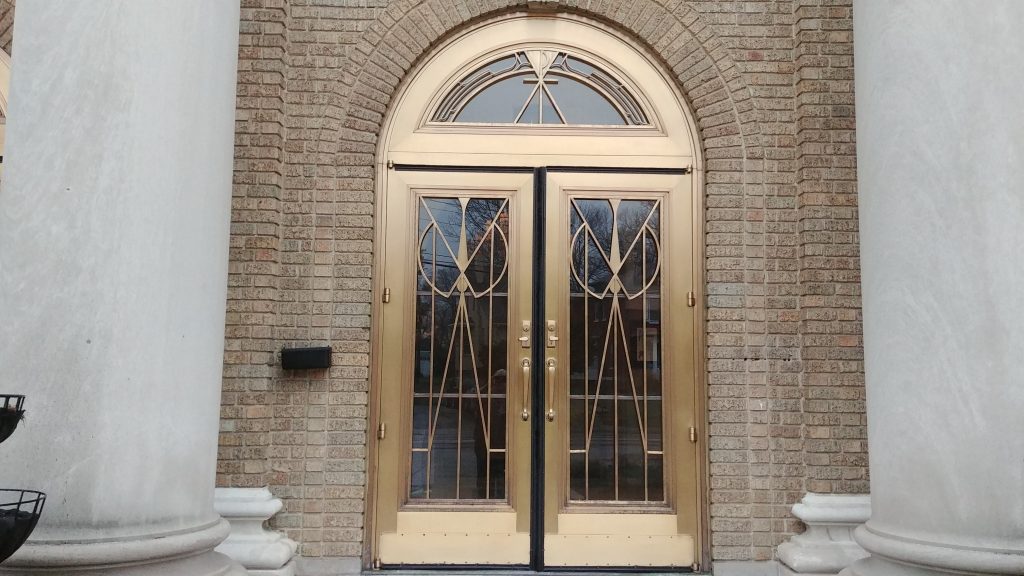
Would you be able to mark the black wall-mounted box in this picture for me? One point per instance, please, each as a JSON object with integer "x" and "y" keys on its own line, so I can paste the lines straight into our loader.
{"x": 306, "y": 358}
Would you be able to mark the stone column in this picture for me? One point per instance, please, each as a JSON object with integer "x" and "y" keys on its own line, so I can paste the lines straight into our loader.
{"x": 114, "y": 221}
{"x": 940, "y": 142}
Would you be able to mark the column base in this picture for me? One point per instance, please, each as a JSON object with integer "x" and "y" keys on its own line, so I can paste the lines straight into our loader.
{"x": 178, "y": 554}
{"x": 208, "y": 564}
{"x": 899, "y": 555}
{"x": 877, "y": 567}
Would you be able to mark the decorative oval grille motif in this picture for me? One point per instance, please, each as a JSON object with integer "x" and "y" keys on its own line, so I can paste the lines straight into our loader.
{"x": 460, "y": 376}
{"x": 616, "y": 449}
{"x": 541, "y": 87}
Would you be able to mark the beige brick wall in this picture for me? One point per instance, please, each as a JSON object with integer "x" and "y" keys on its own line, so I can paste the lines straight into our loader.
{"x": 832, "y": 382}
{"x": 770, "y": 83}
{"x": 6, "y": 24}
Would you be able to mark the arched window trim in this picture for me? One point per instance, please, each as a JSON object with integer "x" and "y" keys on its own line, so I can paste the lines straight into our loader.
{"x": 450, "y": 100}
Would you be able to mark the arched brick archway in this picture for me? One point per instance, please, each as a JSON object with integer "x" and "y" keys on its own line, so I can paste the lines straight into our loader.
{"x": 405, "y": 32}
{"x": 716, "y": 94}
{"x": 316, "y": 83}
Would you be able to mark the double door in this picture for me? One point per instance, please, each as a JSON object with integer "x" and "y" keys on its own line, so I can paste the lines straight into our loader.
{"x": 536, "y": 401}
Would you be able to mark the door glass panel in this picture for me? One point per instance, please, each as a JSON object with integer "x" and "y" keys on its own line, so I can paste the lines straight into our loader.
{"x": 499, "y": 103}
{"x": 460, "y": 373}
{"x": 615, "y": 360}
{"x": 548, "y": 113}
{"x": 541, "y": 87}
{"x": 584, "y": 105}
{"x": 531, "y": 114}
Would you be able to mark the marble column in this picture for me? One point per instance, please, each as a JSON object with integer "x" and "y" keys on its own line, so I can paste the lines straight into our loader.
{"x": 114, "y": 222}
{"x": 940, "y": 149}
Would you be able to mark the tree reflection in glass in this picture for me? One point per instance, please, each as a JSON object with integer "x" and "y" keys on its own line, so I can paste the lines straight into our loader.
{"x": 615, "y": 395}
{"x": 460, "y": 373}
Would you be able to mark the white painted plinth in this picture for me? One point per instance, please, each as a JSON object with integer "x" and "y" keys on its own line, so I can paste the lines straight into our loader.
{"x": 261, "y": 551}
{"x": 827, "y": 546}
{"x": 114, "y": 224}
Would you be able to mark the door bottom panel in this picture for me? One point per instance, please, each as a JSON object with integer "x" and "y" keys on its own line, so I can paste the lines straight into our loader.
{"x": 574, "y": 550}
{"x": 469, "y": 548}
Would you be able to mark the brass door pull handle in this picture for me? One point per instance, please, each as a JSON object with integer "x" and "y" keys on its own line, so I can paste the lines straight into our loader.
{"x": 526, "y": 389}
{"x": 552, "y": 364}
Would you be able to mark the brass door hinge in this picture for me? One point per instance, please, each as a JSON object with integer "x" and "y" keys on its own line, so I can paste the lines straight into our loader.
{"x": 382, "y": 431}
{"x": 376, "y": 563}
{"x": 693, "y": 434}
{"x": 691, "y": 299}
{"x": 386, "y": 296}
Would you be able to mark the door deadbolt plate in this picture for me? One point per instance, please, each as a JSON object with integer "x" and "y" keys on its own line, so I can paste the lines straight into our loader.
{"x": 552, "y": 334}
{"x": 524, "y": 338}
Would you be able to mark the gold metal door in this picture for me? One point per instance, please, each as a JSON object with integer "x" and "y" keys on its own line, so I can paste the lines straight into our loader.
{"x": 621, "y": 470}
{"x": 454, "y": 433}
{"x": 609, "y": 352}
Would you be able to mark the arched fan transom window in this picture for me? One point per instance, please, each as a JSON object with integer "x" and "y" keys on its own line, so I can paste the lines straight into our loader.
{"x": 541, "y": 87}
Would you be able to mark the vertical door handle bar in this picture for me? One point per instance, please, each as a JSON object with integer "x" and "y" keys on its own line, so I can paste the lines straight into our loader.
{"x": 551, "y": 389}
{"x": 526, "y": 389}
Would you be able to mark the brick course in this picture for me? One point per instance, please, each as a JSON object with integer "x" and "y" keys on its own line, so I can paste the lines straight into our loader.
{"x": 834, "y": 431}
